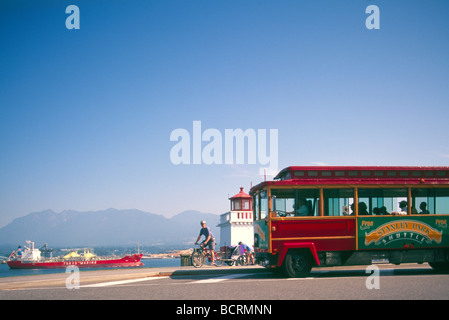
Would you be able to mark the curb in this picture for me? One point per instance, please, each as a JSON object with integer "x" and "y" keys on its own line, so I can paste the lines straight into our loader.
{"x": 98, "y": 276}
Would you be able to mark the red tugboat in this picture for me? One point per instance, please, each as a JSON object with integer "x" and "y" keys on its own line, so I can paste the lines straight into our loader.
{"x": 30, "y": 258}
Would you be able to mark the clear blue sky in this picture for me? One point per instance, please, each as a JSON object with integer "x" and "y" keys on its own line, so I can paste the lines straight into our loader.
{"x": 86, "y": 115}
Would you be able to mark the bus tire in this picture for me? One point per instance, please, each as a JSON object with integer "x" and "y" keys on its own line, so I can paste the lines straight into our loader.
{"x": 297, "y": 264}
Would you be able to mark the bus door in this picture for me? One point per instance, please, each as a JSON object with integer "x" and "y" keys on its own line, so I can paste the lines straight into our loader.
{"x": 261, "y": 222}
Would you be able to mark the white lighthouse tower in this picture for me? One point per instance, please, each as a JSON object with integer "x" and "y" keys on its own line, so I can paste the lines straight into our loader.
{"x": 237, "y": 224}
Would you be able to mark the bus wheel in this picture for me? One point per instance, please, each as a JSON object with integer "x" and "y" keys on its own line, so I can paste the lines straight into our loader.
{"x": 297, "y": 264}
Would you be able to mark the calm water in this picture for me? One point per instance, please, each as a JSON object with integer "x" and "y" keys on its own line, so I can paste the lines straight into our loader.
{"x": 5, "y": 271}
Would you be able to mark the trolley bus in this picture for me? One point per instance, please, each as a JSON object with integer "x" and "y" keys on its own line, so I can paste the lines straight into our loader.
{"x": 333, "y": 216}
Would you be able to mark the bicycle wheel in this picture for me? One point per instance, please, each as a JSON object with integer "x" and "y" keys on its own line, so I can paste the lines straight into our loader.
{"x": 241, "y": 261}
{"x": 198, "y": 259}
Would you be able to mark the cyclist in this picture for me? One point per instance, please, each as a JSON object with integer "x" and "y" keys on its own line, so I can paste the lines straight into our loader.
{"x": 210, "y": 239}
{"x": 248, "y": 251}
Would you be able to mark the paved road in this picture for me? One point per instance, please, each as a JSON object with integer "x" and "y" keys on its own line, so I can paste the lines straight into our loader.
{"x": 405, "y": 282}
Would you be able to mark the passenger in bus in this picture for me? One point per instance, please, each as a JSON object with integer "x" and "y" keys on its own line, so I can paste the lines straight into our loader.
{"x": 383, "y": 211}
{"x": 363, "y": 209}
{"x": 376, "y": 211}
{"x": 309, "y": 207}
{"x": 403, "y": 206}
{"x": 403, "y": 209}
{"x": 352, "y": 209}
{"x": 303, "y": 209}
{"x": 423, "y": 207}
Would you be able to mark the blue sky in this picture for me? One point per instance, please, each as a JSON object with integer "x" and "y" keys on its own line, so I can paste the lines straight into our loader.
{"x": 86, "y": 115}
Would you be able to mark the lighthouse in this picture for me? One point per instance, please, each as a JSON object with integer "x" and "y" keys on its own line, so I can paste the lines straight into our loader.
{"x": 237, "y": 224}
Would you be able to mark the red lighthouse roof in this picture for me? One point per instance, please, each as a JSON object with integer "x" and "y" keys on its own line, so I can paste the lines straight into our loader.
{"x": 241, "y": 194}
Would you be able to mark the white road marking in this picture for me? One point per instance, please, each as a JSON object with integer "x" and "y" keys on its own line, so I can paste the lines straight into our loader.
{"x": 114, "y": 283}
{"x": 223, "y": 278}
{"x": 211, "y": 280}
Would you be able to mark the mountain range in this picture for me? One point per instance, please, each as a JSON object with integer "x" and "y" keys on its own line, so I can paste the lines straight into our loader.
{"x": 106, "y": 228}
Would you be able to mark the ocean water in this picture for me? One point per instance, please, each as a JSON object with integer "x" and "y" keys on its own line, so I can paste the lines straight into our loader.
{"x": 5, "y": 271}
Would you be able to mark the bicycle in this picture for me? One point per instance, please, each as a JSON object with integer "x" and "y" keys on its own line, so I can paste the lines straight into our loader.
{"x": 200, "y": 255}
{"x": 233, "y": 256}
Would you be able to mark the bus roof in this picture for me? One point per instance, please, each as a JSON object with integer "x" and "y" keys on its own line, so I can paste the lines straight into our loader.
{"x": 313, "y": 175}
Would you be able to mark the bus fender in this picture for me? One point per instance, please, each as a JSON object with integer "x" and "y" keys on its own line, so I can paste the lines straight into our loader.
{"x": 297, "y": 245}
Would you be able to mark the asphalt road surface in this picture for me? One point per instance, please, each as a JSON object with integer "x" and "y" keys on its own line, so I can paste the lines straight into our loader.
{"x": 389, "y": 282}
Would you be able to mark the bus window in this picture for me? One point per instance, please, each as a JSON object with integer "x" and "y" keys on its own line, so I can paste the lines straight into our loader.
{"x": 295, "y": 202}
{"x": 338, "y": 202}
{"x": 263, "y": 204}
{"x": 386, "y": 201}
{"x": 256, "y": 206}
{"x": 442, "y": 201}
{"x": 431, "y": 201}
{"x": 283, "y": 201}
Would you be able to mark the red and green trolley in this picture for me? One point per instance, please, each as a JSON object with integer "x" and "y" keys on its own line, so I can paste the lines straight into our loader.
{"x": 346, "y": 215}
